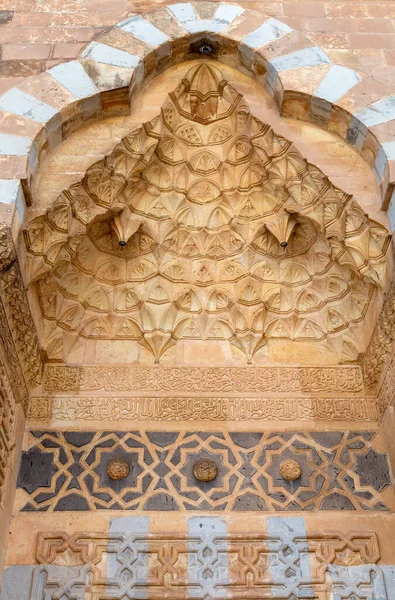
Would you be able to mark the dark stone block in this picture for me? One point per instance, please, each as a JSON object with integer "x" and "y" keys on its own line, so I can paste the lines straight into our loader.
{"x": 37, "y": 434}
{"x": 114, "y": 506}
{"x": 161, "y": 485}
{"x": 366, "y": 435}
{"x": 273, "y": 446}
{"x": 60, "y": 481}
{"x": 29, "y": 508}
{"x": 6, "y": 16}
{"x": 161, "y": 502}
{"x": 246, "y": 440}
{"x": 373, "y": 469}
{"x": 43, "y": 497}
{"x": 102, "y": 496}
{"x": 78, "y": 438}
{"x": 327, "y": 438}
{"x": 336, "y": 502}
{"x": 109, "y": 443}
{"x": 36, "y": 470}
{"x": 249, "y": 502}
{"x": 72, "y": 502}
{"x": 130, "y": 496}
{"x": 146, "y": 482}
{"x": 49, "y": 443}
{"x": 345, "y": 457}
{"x": 380, "y": 506}
{"x": 162, "y": 438}
{"x": 74, "y": 485}
{"x": 63, "y": 457}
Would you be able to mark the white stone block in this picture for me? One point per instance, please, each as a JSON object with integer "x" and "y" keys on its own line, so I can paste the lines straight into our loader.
{"x": 226, "y": 13}
{"x": 19, "y": 103}
{"x": 102, "y": 53}
{"x": 336, "y": 83}
{"x": 268, "y": 32}
{"x": 183, "y": 11}
{"x": 74, "y": 78}
{"x": 14, "y": 145}
{"x": 144, "y": 30}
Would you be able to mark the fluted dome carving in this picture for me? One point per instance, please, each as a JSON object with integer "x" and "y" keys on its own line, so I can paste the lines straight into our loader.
{"x": 205, "y": 224}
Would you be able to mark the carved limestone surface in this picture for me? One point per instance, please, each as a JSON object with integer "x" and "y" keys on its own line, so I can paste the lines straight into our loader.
{"x": 17, "y": 331}
{"x": 184, "y": 470}
{"x": 195, "y": 408}
{"x": 327, "y": 380}
{"x": 208, "y": 563}
{"x": 7, "y": 421}
{"x": 382, "y": 345}
{"x": 205, "y": 224}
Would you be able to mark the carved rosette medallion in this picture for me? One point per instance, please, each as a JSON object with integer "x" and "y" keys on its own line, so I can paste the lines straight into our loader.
{"x": 118, "y": 469}
{"x": 290, "y": 470}
{"x": 205, "y": 470}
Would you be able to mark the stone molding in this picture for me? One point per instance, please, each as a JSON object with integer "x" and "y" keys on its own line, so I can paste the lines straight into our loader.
{"x": 382, "y": 344}
{"x": 22, "y": 353}
{"x": 118, "y": 62}
{"x": 7, "y": 423}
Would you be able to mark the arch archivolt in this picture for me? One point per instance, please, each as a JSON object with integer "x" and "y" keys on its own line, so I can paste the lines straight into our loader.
{"x": 301, "y": 78}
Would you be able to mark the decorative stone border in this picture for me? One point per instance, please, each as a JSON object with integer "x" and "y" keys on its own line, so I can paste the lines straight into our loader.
{"x": 44, "y": 109}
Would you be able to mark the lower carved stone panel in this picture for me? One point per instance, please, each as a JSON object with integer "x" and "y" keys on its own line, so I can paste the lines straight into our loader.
{"x": 206, "y": 562}
{"x": 69, "y": 471}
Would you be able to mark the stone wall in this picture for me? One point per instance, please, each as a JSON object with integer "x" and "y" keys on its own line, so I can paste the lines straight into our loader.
{"x": 294, "y": 496}
{"x": 35, "y": 36}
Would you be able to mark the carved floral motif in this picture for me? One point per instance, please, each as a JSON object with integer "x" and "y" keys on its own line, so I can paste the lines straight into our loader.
{"x": 205, "y": 469}
{"x": 290, "y": 470}
{"x": 118, "y": 469}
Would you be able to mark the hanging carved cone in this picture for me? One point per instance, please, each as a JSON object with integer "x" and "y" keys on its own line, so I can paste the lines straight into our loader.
{"x": 125, "y": 225}
{"x": 282, "y": 228}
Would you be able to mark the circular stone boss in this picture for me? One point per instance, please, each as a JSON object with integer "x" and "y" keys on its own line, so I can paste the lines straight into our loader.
{"x": 205, "y": 470}
{"x": 290, "y": 470}
{"x": 118, "y": 468}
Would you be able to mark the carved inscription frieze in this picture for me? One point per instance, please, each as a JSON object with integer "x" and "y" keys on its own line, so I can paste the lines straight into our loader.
{"x": 69, "y": 471}
{"x": 325, "y": 380}
{"x": 82, "y": 408}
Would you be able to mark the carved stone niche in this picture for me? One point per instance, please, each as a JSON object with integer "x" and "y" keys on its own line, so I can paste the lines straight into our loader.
{"x": 203, "y": 224}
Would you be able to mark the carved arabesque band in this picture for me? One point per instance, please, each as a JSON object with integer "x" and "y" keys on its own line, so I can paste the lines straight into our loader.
{"x": 205, "y": 224}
